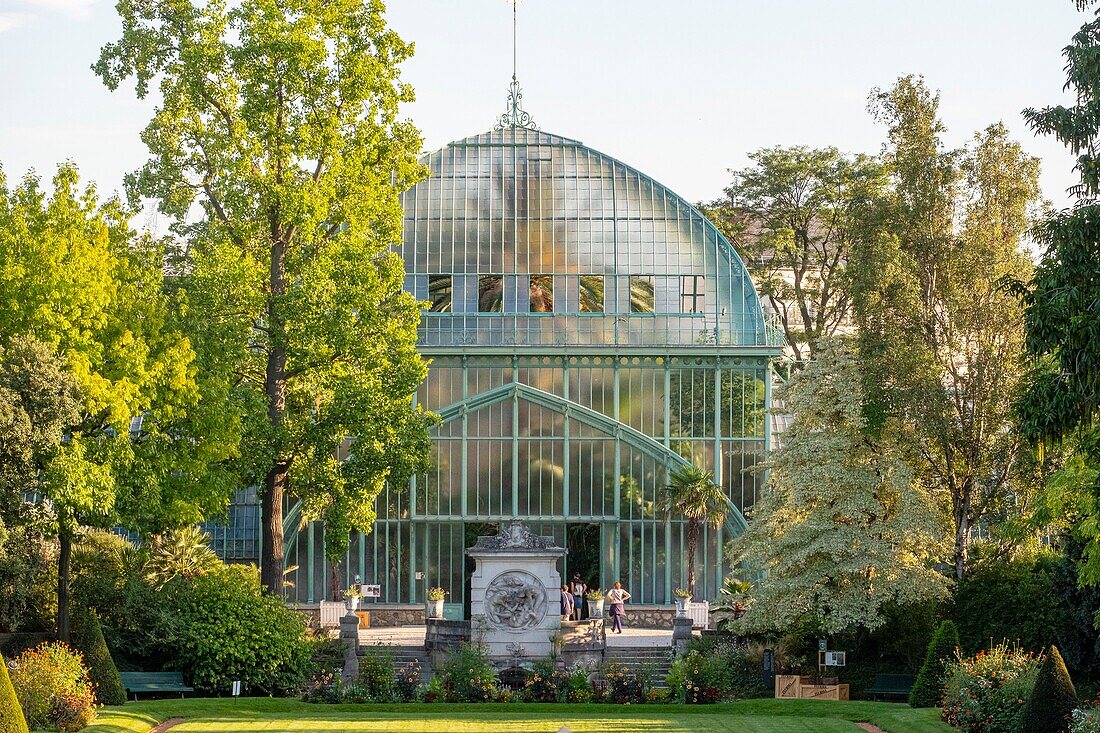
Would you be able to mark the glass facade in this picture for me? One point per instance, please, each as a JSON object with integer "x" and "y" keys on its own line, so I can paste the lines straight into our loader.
{"x": 589, "y": 331}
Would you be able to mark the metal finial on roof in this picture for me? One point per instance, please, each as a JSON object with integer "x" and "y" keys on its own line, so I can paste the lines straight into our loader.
{"x": 515, "y": 116}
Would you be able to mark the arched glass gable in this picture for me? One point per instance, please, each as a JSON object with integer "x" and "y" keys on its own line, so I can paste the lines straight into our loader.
{"x": 520, "y": 237}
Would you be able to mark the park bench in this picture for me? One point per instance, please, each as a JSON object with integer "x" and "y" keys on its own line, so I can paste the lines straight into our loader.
{"x": 153, "y": 683}
{"x": 891, "y": 684}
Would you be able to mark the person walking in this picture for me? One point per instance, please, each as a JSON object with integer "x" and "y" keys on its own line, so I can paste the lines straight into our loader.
{"x": 617, "y": 597}
{"x": 578, "y": 588}
{"x": 566, "y": 603}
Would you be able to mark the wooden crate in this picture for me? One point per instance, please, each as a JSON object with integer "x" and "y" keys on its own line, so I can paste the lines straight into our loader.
{"x": 364, "y": 619}
{"x": 824, "y": 692}
{"x": 787, "y": 686}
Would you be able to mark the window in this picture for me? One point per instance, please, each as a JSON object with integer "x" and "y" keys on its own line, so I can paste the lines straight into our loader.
{"x": 542, "y": 293}
{"x": 641, "y": 293}
{"x": 440, "y": 290}
{"x": 591, "y": 294}
{"x": 691, "y": 293}
{"x": 490, "y": 293}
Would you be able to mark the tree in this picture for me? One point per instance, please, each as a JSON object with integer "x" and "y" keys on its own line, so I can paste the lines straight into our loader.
{"x": 181, "y": 553}
{"x": 1053, "y": 699}
{"x": 280, "y": 121}
{"x": 111, "y": 376}
{"x": 794, "y": 216}
{"x": 940, "y": 336}
{"x": 11, "y": 714}
{"x": 1061, "y": 403}
{"x": 102, "y": 672}
{"x": 844, "y": 528}
{"x": 927, "y": 691}
{"x": 692, "y": 494}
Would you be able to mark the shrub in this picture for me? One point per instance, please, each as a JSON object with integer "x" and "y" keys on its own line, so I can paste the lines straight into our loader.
{"x": 51, "y": 684}
{"x": 102, "y": 671}
{"x": 322, "y": 686}
{"x": 718, "y": 668}
{"x": 927, "y": 690}
{"x": 577, "y": 687}
{"x": 1009, "y": 599}
{"x": 11, "y": 714}
{"x": 407, "y": 682}
{"x": 1085, "y": 719}
{"x": 466, "y": 675}
{"x": 227, "y": 628}
{"x": 375, "y": 682}
{"x": 987, "y": 693}
{"x": 621, "y": 686}
{"x": 546, "y": 683}
{"x": 1053, "y": 699}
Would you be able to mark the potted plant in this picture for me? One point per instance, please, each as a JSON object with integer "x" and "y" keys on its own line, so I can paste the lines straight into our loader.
{"x": 683, "y": 598}
{"x": 595, "y": 600}
{"x": 351, "y": 598}
{"x": 435, "y": 602}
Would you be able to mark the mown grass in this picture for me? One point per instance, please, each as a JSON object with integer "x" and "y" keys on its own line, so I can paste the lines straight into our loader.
{"x": 292, "y": 716}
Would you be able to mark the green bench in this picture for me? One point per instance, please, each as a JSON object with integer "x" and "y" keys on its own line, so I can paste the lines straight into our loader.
{"x": 891, "y": 685}
{"x": 153, "y": 683}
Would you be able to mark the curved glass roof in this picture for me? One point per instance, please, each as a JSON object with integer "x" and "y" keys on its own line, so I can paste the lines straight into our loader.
{"x": 521, "y": 238}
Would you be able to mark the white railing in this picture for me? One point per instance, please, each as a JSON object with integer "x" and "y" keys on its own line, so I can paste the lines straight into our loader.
{"x": 331, "y": 611}
{"x": 700, "y": 614}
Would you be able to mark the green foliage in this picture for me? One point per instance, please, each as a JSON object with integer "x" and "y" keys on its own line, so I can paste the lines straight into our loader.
{"x": 289, "y": 118}
{"x": 467, "y": 675}
{"x": 11, "y": 714}
{"x": 375, "y": 682}
{"x": 987, "y": 693}
{"x": 940, "y": 337}
{"x": 226, "y": 628}
{"x": 927, "y": 691}
{"x": 1053, "y": 699}
{"x": 692, "y": 495}
{"x": 51, "y": 683}
{"x": 1009, "y": 600}
{"x": 26, "y": 561}
{"x": 716, "y": 669}
{"x": 102, "y": 672}
{"x": 794, "y": 216}
{"x": 844, "y": 529}
{"x": 621, "y": 685}
{"x": 180, "y": 553}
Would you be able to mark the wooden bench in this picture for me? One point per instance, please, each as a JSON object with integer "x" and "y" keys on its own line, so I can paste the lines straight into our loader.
{"x": 887, "y": 685}
{"x": 153, "y": 683}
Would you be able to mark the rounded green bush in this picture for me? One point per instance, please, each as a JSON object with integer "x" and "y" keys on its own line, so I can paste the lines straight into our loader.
{"x": 226, "y": 628}
{"x": 927, "y": 690}
{"x": 11, "y": 715}
{"x": 51, "y": 684}
{"x": 101, "y": 667}
{"x": 1053, "y": 699}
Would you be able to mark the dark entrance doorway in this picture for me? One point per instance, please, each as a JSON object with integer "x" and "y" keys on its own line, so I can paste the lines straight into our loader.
{"x": 583, "y": 541}
{"x": 473, "y": 530}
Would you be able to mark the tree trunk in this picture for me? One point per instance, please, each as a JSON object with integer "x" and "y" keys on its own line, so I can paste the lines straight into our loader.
{"x": 275, "y": 482}
{"x": 693, "y": 539}
{"x": 271, "y": 565}
{"x": 962, "y": 545}
{"x": 64, "y": 570}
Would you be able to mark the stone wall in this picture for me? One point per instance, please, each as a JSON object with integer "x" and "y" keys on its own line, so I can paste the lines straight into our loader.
{"x": 381, "y": 614}
{"x": 649, "y": 617}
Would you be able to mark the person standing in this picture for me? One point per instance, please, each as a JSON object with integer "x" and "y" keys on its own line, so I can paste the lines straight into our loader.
{"x": 566, "y": 603}
{"x": 578, "y": 588}
{"x": 617, "y": 597}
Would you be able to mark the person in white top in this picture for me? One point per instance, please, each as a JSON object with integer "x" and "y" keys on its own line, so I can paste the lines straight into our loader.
{"x": 617, "y": 597}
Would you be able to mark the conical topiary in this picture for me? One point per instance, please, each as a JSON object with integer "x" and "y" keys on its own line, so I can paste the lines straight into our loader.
{"x": 11, "y": 715}
{"x": 1052, "y": 699}
{"x": 927, "y": 691}
{"x": 101, "y": 667}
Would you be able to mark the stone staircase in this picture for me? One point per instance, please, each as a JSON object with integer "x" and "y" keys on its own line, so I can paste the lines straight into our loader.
{"x": 651, "y": 661}
{"x": 402, "y": 656}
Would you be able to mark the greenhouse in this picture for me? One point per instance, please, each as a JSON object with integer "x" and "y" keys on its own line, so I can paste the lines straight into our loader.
{"x": 588, "y": 331}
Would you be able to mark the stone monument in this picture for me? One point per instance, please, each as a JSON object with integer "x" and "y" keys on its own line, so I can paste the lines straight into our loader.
{"x": 515, "y": 594}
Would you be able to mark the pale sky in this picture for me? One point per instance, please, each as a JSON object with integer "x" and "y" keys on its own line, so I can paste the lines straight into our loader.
{"x": 680, "y": 89}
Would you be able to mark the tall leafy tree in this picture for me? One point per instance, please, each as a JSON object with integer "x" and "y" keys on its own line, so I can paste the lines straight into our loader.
{"x": 1061, "y": 404}
{"x": 692, "y": 495}
{"x": 75, "y": 280}
{"x": 941, "y": 337}
{"x": 279, "y": 127}
{"x": 844, "y": 528}
{"x": 794, "y": 216}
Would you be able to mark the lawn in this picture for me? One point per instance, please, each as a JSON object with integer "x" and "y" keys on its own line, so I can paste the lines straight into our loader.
{"x": 292, "y": 716}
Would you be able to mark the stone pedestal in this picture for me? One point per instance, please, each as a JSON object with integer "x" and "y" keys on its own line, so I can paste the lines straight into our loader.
{"x": 515, "y": 594}
{"x": 681, "y": 635}
{"x": 349, "y": 634}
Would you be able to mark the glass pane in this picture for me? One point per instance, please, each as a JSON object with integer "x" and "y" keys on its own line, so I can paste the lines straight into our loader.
{"x": 439, "y": 293}
{"x": 691, "y": 293}
{"x": 591, "y": 293}
{"x": 490, "y": 293}
{"x": 542, "y": 293}
{"x": 641, "y": 293}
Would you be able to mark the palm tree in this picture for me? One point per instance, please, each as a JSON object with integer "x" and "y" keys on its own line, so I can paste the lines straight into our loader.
{"x": 180, "y": 553}
{"x": 692, "y": 494}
